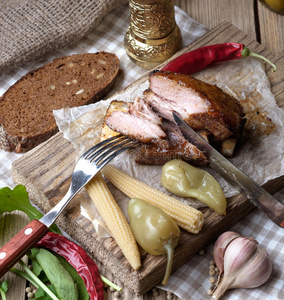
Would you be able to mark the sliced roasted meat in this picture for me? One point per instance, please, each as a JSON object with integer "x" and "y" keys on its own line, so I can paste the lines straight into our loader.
{"x": 179, "y": 147}
{"x": 140, "y": 122}
{"x": 178, "y": 142}
{"x": 151, "y": 154}
{"x": 162, "y": 106}
{"x": 215, "y": 115}
{"x": 165, "y": 107}
{"x": 201, "y": 105}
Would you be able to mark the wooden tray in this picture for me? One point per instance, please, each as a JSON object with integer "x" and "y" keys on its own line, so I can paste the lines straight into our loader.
{"x": 46, "y": 170}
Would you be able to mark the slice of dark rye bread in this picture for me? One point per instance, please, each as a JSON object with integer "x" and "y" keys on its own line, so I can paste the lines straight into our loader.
{"x": 26, "y": 109}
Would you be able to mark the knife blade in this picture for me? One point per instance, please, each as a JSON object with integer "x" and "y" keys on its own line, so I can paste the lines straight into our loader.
{"x": 255, "y": 193}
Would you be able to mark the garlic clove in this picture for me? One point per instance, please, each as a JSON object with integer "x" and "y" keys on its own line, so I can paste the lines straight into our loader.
{"x": 256, "y": 272}
{"x": 238, "y": 253}
{"x": 220, "y": 246}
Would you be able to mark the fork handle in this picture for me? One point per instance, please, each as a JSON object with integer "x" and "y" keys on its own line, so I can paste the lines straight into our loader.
{"x": 20, "y": 244}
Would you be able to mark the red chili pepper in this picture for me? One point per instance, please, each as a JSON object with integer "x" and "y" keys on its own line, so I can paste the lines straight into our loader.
{"x": 198, "y": 59}
{"x": 79, "y": 259}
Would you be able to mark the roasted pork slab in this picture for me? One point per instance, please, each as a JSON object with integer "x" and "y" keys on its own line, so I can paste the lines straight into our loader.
{"x": 205, "y": 107}
{"x": 201, "y": 105}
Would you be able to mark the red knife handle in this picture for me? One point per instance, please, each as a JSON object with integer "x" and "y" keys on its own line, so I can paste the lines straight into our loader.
{"x": 20, "y": 244}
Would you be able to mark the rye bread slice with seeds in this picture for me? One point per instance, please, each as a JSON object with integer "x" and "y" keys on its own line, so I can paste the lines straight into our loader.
{"x": 26, "y": 109}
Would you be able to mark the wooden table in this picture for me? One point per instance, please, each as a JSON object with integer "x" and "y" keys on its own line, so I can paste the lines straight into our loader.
{"x": 250, "y": 16}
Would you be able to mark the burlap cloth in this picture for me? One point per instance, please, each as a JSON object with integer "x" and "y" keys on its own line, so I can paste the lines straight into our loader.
{"x": 31, "y": 29}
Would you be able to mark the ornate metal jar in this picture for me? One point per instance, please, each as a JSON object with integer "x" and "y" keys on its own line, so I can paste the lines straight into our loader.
{"x": 153, "y": 35}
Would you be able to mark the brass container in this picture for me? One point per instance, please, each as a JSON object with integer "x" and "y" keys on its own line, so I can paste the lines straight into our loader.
{"x": 153, "y": 35}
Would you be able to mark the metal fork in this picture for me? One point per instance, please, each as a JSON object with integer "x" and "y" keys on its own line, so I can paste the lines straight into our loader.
{"x": 85, "y": 169}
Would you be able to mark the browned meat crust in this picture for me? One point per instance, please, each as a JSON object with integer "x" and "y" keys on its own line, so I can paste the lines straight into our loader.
{"x": 178, "y": 147}
{"x": 151, "y": 154}
{"x": 201, "y": 105}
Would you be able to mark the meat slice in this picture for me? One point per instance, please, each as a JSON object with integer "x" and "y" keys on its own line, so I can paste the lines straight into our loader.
{"x": 178, "y": 142}
{"x": 201, "y": 105}
{"x": 151, "y": 154}
{"x": 140, "y": 122}
{"x": 179, "y": 147}
{"x": 165, "y": 107}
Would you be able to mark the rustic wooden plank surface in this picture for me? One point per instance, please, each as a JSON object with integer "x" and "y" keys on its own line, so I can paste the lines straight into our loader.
{"x": 45, "y": 171}
{"x": 212, "y": 13}
{"x": 252, "y": 18}
{"x": 271, "y": 29}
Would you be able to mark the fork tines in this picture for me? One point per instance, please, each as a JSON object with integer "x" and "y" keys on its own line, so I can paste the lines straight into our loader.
{"x": 106, "y": 150}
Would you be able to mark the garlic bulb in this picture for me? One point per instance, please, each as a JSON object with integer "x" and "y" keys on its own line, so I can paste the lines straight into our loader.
{"x": 243, "y": 263}
{"x": 220, "y": 246}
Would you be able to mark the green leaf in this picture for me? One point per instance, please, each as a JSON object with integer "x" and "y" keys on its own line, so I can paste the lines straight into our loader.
{"x": 18, "y": 199}
{"x": 3, "y": 289}
{"x": 82, "y": 290}
{"x": 42, "y": 295}
{"x": 37, "y": 281}
{"x": 37, "y": 269}
{"x": 57, "y": 275}
{"x": 4, "y": 286}
{"x": 33, "y": 252}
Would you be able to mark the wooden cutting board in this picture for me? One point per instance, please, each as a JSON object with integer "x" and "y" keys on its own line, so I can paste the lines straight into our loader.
{"x": 46, "y": 171}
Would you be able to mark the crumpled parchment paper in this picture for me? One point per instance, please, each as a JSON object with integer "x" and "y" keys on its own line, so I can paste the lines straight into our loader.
{"x": 261, "y": 157}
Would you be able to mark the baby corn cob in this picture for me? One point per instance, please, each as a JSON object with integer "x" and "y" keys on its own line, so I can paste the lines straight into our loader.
{"x": 187, "y": 217}
{"x": 114, "y": 219}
